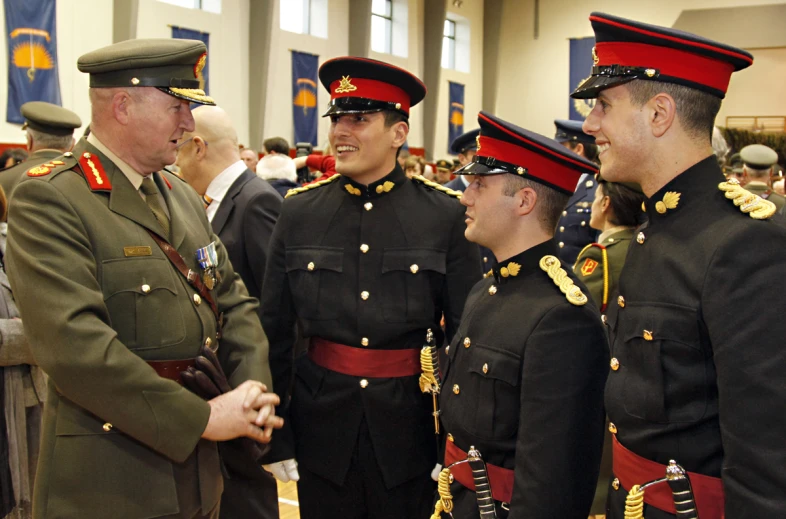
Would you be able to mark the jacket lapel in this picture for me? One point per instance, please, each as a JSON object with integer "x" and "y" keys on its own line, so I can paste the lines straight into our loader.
{"x": 228, "y": 203}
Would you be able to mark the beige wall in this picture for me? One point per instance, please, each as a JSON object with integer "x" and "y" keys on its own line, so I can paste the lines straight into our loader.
{"x": 533, "y": 84}
{"x": 228, "y": 56}
{"x": 759, "y": 89}
{"x": 74, "y": 38}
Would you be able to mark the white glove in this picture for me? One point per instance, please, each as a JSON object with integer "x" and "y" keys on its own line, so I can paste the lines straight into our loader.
{"x": 436, "y": 471}
{"x": 284, "y": 471}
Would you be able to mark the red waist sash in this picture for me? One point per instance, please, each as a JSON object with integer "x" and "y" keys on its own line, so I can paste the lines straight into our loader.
{"x": 500, "y": 479}
{"x": 360, "y": 362}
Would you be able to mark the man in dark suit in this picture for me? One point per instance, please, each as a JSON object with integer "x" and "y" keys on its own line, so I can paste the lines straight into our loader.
{"x": 50, "y": 133}
{"x": 242, "y": 209}
{"x": 573, "y": 229}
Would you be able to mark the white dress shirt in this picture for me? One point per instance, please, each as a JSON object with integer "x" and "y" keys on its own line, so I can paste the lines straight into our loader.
{"x": 218, "y": 188}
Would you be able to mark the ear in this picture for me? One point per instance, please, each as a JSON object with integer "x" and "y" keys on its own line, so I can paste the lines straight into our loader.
{"x": 200, "y": 147}
{"x": 579, "y": 149}
{"x": 605, "y": 204}
{"x": 400, "y": 133}
{"x": 526, "y": 199}
{"x": 662, "y": 112}
{"x": 121, "y": 107}
{"x": 73, "y": 143}
{"x": 29, "y": 142}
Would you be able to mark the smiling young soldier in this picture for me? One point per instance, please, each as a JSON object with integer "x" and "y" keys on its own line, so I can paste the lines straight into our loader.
{"x": 697, "y": 366}
{"x": 524, "y": 383}
{"x": 382, "y": 259}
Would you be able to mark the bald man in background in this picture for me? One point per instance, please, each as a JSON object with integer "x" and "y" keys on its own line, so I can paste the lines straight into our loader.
{"x": 242, "y": 209}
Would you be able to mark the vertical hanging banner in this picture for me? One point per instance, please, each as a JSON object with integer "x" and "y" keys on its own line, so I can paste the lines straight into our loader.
{"x": 581, "y": 62}
{"x": 304, "y": 96}
{"x": 181, "y": 33}
{"x": 455, "y": 111}
{"x": 32, "y": 54}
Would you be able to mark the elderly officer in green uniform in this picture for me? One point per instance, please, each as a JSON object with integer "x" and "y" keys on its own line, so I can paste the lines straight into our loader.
{"x": 122, "y": 283}
{"x": 382, "y": 259}
{"x": 757, "y": 166}
{"x": 50, "y": 133}
{"x": 522, "y": 400}
{"x": 695, "y": 395}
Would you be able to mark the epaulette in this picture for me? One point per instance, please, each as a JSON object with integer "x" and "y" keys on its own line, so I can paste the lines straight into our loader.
{"x": 437, "y": 187}
{"x": 753, "y": 205}
{"x": 297, "y": 190}
{"x": 53, "y": 166}
{"x": 551, "y": 265}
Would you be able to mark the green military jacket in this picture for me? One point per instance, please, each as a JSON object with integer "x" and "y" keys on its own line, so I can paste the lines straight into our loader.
{"x": 10, "y": 177}
{"x": 765, "y": 191}
{"x": 599, "y": 265}
{"x": 99, "y": 299}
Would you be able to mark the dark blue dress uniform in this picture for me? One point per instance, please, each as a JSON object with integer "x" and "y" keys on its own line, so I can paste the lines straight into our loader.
{"x": 375, "y": 268}
{"x": 697, "y": 330}
{"x": 524, "y": 381}
{"x": 573, "y": 230}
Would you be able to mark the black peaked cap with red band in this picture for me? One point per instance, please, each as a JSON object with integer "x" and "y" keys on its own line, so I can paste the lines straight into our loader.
{"x": 626, "y": 50}
{"x": 506, "y": 148}
{"x": 361, "y": 85}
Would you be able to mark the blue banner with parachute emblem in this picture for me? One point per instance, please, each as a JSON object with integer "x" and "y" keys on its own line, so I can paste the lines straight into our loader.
{"x": 581, "y": 62}
{"x": 455, "y": 111}
{"x": 304, "y": 96}
{"x": 32, "y": 54}
{"x": 182, "y": 33}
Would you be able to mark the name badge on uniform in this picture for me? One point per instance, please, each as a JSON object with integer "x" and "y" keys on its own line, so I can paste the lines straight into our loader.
{"x": 208, "y": 261}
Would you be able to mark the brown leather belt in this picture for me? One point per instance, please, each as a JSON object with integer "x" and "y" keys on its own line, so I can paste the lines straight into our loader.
{"x": 500, "y": 479}
{"x": 631, "y": 469}
{"x": 360, "y": 362}
{"x": 171, "y": 368}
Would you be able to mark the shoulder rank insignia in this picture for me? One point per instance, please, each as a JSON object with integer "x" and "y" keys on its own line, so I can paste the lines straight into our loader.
{"x": 39, "y": 171}
{"x": 309, "y": 187}
{"x": 94, "y": 172}
{"x": 753, "y": 205}
{"x": 574, "y": 295}
{"x": 437, "y": 187}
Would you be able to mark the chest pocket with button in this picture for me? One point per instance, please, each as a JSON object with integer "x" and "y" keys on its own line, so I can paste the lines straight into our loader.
{"x": 314, "y": 276}
{"x": 665, "y": 364}
{"x": 411, "y": 280}
{"x": 490, "y": 381}
{"x": 141, "y": 296}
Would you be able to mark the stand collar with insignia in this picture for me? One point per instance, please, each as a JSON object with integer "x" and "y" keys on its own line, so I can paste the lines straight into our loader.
{"x": 699, "y": 180}
{"x": 381, "y": 187}
{"x": 524, "y": 263}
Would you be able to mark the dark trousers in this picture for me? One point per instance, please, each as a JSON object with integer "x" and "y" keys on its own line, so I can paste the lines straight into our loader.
{"x": 250, "y": 498}
{"x": 364, "y": 494}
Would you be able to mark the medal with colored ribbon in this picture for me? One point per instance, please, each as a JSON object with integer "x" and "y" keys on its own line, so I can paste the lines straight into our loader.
{"x": 208, "y": 260}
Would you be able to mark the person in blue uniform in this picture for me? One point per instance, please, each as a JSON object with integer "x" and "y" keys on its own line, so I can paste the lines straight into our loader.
{"x": 695, "y": 394}
{"x": 523, "y": 388}
{"x": 573, "y": 229}
{"x": 382, "y": 259}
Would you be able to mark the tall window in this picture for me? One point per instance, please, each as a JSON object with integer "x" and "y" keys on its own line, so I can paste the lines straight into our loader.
{"x": 449, "y": 44}
{"x": 304, "y": 17}
{"x": 211, "y": 6}
{"x": 382, "y": 26}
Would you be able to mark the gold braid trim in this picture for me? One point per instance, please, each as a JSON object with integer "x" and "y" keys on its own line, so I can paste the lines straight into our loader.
{"x": 574, "y": 295}
{"x": 445, "y": 503}
{"x": 193, "y": 94}
{"x": 576, "y": 264}
{"x": 753, "y": 205}
{"x": 634, "y": 503}
{"x": 296, "y": 190}
{"x": 428, "y": 382}
{"x": 605, "y": 256}
{"x": 438, "y": 187}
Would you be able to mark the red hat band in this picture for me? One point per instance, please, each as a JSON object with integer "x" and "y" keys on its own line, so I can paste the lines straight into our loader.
{"x": 535, "y": 164}
{"x": 669, "y": 62}
{"x": 370, "y": 89}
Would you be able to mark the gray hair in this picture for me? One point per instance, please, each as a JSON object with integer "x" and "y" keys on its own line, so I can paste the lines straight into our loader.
{"x": 271, "y": 167}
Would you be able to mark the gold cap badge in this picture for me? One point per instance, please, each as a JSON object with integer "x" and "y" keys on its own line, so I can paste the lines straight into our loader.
{"x": 345, "y": 86}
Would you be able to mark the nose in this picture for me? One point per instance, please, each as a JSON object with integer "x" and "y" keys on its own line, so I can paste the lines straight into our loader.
{"x": 592, "y": 122}
{"x": 188, "y": 123}
{"x": 468, "y": 197}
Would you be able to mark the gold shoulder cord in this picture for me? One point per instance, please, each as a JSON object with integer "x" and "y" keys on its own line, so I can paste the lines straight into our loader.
{"x": 445, "y": 503}
{"x": 298, "y": 190}
{"x": 574, "y": 295}
{"x": 753, "y": 205}
{"x": 634, "y": 503}
{"x": 438, "y": 187}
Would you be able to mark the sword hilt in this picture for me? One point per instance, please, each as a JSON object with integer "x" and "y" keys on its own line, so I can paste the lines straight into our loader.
{"x": 482, "y": 487}
{"x": 681, "y": 490}
{"x": 429, "y": 379}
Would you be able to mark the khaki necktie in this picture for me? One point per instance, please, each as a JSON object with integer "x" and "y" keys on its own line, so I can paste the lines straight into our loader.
{"x": 155, "y": 203}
